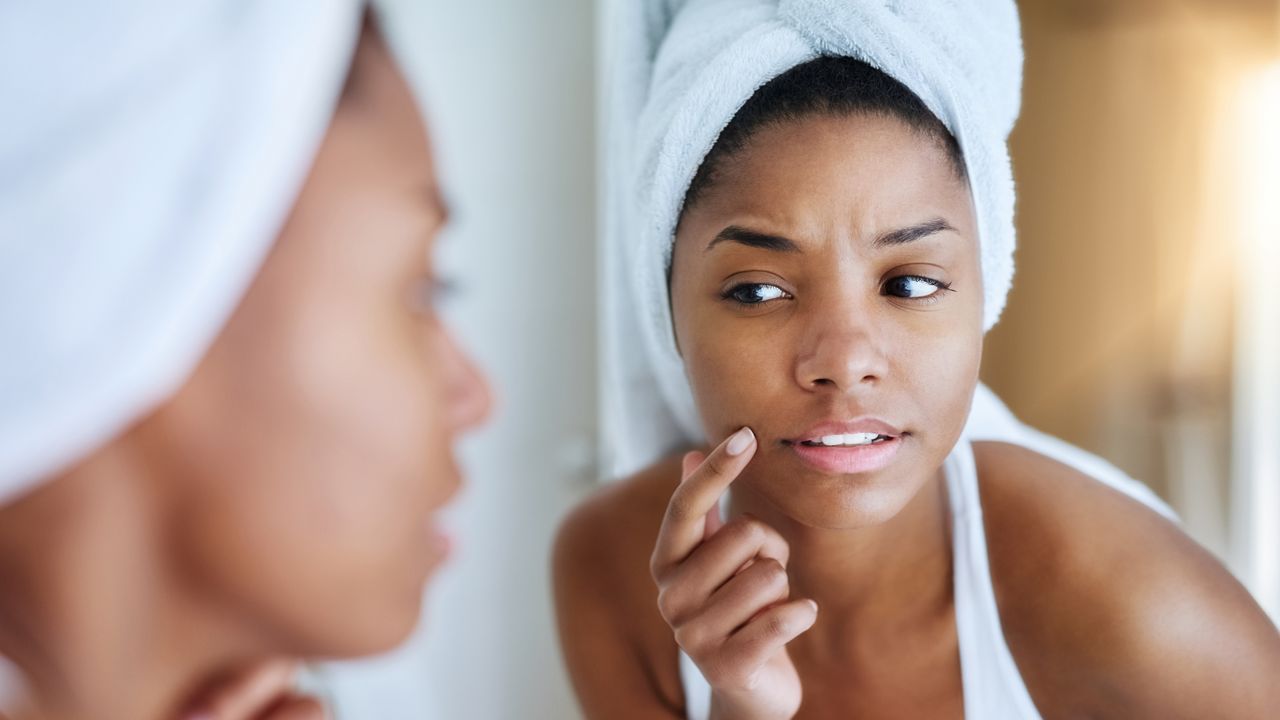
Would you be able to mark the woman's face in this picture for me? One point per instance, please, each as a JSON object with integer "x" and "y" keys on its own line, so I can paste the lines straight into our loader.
{"x": 303, "y": 462}
{"x": 825, "y": 285}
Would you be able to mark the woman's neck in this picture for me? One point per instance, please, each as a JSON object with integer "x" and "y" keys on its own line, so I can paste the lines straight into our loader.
{"x": 868, "y": 581}
{"x": 93, "y": 611}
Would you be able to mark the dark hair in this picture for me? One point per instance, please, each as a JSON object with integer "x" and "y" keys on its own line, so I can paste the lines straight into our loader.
{"x": 828, "y": 85}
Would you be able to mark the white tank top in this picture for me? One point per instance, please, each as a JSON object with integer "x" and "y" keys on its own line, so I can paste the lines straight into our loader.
{"x": 11, "y": 686}
{"x": 993, "y": 688}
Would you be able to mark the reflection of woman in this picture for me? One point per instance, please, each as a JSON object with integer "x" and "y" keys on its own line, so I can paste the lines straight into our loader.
{"x": 228, "y": 402}
{"x": 839, "y": 249}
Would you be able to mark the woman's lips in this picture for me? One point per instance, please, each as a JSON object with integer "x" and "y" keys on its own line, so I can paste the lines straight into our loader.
{"x": 439, "y": 546}
{"x": 848, "y": 460}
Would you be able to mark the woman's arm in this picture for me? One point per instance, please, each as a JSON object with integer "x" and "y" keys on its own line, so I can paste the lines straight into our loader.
{"x": 1195, "y": 645}
{"x": 1112, "y": 611}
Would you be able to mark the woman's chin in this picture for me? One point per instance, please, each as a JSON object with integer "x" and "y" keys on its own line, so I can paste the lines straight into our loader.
{"x": 837, "y": 502}
{"x": 852, "y": 511}
{"x": 376, "y": 631}
{"x": 376, "y": 614}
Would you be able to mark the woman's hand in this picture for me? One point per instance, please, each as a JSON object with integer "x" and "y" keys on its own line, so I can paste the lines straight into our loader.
{"x": 261, "y": 692}
{"x": 723, "y": 590}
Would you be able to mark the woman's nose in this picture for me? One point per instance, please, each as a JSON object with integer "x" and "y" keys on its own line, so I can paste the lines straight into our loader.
{"x": 841, "y": 354}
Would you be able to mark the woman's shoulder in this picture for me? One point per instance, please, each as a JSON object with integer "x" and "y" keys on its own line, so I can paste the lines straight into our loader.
{"x": 618, "y": 524}
{"x": 613, "y": 637}
{"x": 1105, "y": 602}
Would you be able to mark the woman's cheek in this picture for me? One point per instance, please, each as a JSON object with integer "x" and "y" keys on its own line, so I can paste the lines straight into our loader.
{"x": 944, "y": 375}
{"x": 734, "y": 374}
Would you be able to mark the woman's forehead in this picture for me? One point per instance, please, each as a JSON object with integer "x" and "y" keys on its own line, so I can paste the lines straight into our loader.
{"x": 868, "y": 175}
{"x": 835, "y": 154}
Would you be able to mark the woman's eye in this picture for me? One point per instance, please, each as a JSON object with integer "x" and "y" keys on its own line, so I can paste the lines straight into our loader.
{"x": 914, "y": 287}
{"x": 754, "y": 293}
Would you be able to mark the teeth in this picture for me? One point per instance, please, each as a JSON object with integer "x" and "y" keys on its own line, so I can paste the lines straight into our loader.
{"x": 850, "y": 439}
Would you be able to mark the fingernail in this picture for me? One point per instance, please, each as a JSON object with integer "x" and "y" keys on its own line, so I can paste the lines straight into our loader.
{"x": 812, "y": 604}
{"x": 740, "y": 441}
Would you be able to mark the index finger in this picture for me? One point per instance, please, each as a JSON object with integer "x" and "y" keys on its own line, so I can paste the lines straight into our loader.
{"x": 683, "y": 524}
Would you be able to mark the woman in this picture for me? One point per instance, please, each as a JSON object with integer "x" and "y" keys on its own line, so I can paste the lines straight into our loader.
{"x": 235, "y": 399}
{"x": 850, "y": 547}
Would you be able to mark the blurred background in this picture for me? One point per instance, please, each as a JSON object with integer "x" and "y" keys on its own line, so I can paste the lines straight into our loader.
{"x": 1144, "y": 323}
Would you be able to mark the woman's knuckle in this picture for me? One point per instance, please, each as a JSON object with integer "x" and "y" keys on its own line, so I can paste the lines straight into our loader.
{"x": 733, "y": 675}
{"x": 681, "y": 507}
{"x": 657, "y": 568}
{"x": 717, "y": 669}
{"x": 715, "y": 464}
{"x": 778, "y": 625}
{"x": 668, "y": 604}
{"x": 776, "y": 580}
{"x": 752, "y": 531}
{"x": 768, "y": 572}
{"x": 689, "y": 637}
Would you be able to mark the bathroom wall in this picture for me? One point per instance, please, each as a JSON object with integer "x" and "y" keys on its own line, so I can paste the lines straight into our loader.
{"x": 1130, "y": 161}
{"x": 508, "y": 87}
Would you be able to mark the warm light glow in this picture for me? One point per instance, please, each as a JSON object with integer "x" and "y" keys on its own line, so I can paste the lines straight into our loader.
{"x": 1257, "y": 395}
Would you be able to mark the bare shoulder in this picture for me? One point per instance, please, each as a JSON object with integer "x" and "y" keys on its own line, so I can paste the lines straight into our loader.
{"x": 616, "y": 645}
{"x": 1109, "y": 608}
{"x": 611, "y": 533}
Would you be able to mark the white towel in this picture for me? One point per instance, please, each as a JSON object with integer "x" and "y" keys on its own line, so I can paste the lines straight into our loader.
{"x": 678, "y": 73}
{"x": 149, "y": 153}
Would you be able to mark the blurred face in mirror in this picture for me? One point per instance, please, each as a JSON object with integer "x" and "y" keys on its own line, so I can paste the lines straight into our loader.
{"x": 304, "y": 462}
{"x": 830, "y": 273}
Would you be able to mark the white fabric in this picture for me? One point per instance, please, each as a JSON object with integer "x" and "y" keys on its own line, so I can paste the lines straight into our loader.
{"x": 679, "y": 72}
{"x": 12, "y": 688}
{"x": 993, "y": 687}
{"x": 149, "y": 153}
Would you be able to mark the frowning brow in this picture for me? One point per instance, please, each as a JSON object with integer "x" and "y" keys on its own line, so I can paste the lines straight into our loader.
{"x": 754, "y": 239}
{"x": 902, "y": 236}
{"x": 777, "y": 243}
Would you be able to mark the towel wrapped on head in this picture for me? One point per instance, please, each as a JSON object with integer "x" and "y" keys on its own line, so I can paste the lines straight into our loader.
{"x": 680, "y": 72}
{"x": 149, "y": 153}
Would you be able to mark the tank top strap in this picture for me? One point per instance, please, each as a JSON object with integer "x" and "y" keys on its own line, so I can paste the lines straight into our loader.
{"x": 993, "y": 687}
{"x": 697, "y": 691}
{"x": 12, "y": 688}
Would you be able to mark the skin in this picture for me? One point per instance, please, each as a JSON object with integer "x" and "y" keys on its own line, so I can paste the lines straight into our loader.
{"x": 1110, "y": 611}
{"x": 280, "y": 504}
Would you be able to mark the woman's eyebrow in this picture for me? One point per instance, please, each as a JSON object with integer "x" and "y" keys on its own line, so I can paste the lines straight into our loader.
{"x": 902, "y": 236}
{"x": 777, "y": 243}
{"x": 751, "y": 238}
